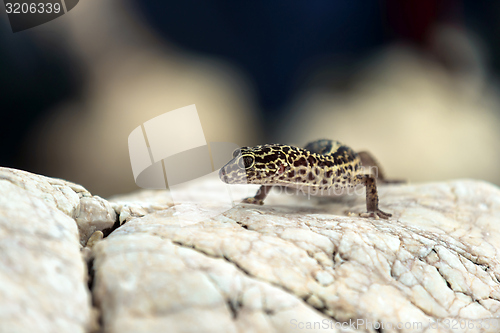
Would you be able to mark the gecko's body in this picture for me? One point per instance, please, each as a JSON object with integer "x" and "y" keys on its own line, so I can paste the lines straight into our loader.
{"x": 319, "y": 167}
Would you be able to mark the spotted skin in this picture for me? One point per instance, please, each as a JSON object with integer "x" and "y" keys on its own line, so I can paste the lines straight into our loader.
{"x": 318, "y": 168}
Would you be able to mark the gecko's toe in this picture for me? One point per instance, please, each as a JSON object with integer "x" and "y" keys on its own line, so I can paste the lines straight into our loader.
{"x": 252, "y": 201}
{"x": 376, "y": 214}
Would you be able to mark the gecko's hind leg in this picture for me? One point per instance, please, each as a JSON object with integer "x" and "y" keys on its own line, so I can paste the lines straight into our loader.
{"x": 372, "y": 167}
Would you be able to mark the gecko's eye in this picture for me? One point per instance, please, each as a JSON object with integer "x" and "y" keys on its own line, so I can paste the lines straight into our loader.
{"x": 246, "y": 162}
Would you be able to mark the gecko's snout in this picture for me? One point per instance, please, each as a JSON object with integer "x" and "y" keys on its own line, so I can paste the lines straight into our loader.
{"x": 222, "y": 175}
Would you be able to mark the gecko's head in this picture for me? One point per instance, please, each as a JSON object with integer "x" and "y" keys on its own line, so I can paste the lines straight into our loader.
{"x": 264, "y": 164}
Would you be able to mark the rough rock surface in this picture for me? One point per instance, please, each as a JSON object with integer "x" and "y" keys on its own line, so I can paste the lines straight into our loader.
{"x": 296, "y": 262}
{"x": 43, "y": 279}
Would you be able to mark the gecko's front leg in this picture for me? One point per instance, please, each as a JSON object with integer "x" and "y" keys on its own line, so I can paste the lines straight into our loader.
{"x": 259, "y": 197}
{"x": 372, "y": 209}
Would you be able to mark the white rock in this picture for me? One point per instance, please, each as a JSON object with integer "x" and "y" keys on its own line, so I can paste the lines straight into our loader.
{"x": 43, "y": 285}
{"x": 434, "y": 260}
{"x": 95, "y": 214}
{"x": 146, "y": 283}
{"x": 294, "y": 263}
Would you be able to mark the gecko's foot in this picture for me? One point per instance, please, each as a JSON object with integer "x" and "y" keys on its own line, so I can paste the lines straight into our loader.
{"x": 376, "y": 214}
{"x": 253, "y": 201}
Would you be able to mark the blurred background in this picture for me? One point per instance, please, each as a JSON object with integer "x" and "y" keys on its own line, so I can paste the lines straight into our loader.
{"x": 414, "y": 82}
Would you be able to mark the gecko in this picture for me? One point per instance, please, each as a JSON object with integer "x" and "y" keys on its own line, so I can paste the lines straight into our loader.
{"x": 320, "y": 166}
